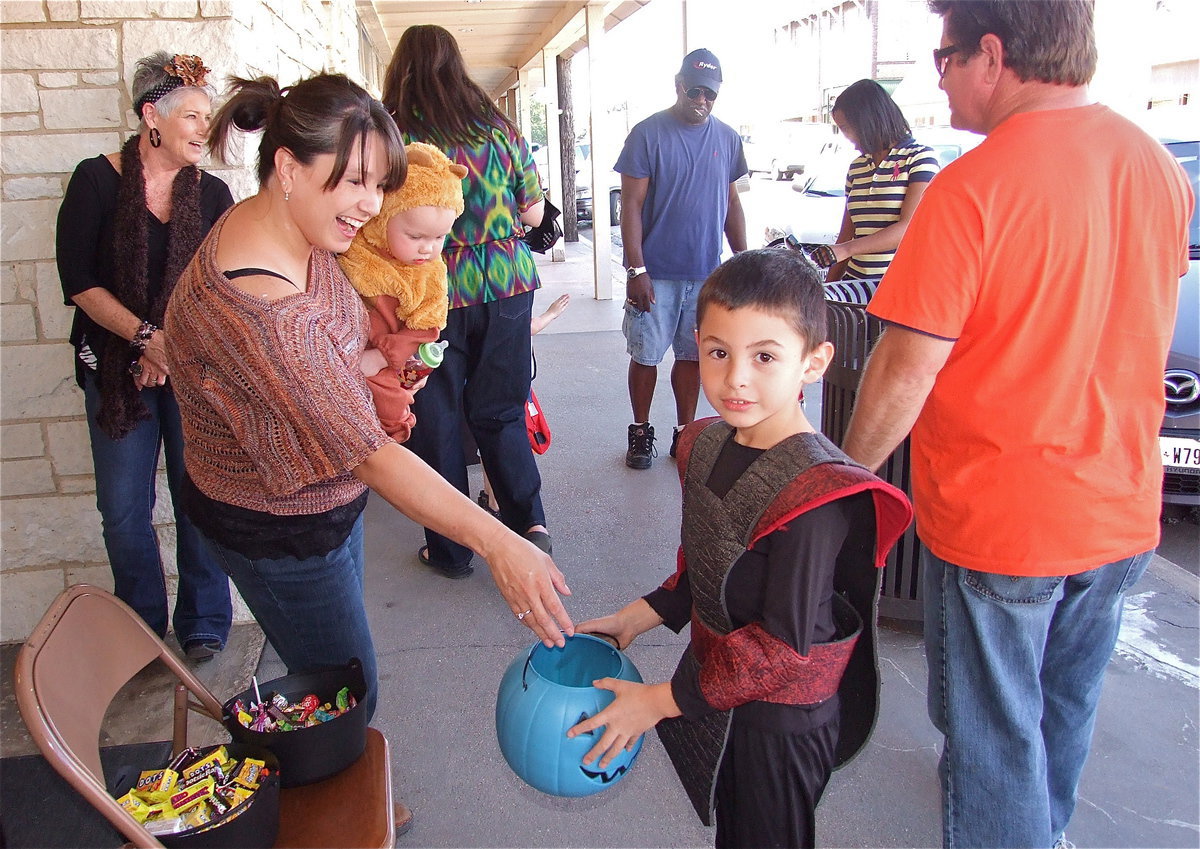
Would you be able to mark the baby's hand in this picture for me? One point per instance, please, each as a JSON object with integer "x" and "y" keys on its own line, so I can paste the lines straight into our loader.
{"x": 538, "y": 323}
{"x": 373, "y": 361}
{"x": 559, "y": 306}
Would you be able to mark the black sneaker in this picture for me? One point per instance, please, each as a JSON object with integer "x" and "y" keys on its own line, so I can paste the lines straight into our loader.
{"x": 641, "y": 447}
{"x": 675, "y": 439}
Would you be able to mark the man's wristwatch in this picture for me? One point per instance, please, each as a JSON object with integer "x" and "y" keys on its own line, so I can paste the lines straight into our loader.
{"x": 634, "y": 271}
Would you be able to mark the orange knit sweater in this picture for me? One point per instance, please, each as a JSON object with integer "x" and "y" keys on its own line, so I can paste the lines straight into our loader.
{"x": 275, "y": 411}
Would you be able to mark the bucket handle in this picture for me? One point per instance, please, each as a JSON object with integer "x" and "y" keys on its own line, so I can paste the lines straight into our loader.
{"x": 525, "y": 670}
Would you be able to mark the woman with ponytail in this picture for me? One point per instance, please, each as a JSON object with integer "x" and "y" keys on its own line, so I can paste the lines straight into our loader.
{"x": 128, "y": 225}
{"x": 282, "y": 439}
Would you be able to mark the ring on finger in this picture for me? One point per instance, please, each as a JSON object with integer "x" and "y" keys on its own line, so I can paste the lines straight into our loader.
{"x": 521, "y": 616}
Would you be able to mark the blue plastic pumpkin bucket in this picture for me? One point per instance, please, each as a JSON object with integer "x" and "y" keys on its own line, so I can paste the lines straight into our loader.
{"x": 542, "y": 694}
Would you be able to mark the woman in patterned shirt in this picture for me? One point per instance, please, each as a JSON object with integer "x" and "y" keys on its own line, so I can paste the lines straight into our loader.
{"x": 883, "y": 185}
{"x": 492, "y": 279}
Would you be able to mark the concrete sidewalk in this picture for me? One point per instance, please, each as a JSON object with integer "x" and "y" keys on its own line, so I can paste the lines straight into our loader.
{"x": 443, "y": 646}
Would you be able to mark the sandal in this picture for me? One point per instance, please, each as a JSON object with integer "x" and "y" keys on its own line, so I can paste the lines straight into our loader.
{"x": 486, "y": 503}
{"x": 455, "y": 572}
{"x": 541, "y": 539}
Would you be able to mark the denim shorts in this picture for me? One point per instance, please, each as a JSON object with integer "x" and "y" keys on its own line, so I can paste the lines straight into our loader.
{"x": 671, "y": 322}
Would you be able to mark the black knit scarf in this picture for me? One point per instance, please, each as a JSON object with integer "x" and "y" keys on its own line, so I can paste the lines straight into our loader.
{"x": 121, "y": 406}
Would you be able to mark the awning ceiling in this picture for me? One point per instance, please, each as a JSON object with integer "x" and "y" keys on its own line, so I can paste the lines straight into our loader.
{"x": 497, "y": 37}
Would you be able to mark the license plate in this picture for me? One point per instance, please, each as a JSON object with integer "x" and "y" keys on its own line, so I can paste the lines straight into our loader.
{"x": 1179, "y": 454}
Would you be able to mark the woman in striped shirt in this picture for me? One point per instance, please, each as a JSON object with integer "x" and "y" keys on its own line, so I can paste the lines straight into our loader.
{"x": 883, "y": 185}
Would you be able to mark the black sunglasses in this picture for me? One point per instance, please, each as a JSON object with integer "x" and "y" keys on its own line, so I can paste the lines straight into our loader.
{"x": 941, "y": 58}
{"x": 693, "y": 93}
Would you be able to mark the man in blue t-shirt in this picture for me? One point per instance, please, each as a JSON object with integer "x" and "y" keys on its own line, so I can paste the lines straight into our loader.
{"x": 678, "y": 169}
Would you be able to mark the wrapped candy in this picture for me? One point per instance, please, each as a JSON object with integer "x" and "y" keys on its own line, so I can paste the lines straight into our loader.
{"x": 196, "y": 790}
{"x": 276, "y": 713}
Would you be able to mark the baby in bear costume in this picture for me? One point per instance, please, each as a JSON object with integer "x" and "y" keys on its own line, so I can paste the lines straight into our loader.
{"x": 395, "y": 262}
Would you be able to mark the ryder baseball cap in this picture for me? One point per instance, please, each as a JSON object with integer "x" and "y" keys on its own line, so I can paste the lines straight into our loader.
{"x": 701, "y": 67}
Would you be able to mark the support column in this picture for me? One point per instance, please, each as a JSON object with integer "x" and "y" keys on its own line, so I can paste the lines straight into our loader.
{"x": 523, "y": 97}
{"x": 604, "y": 153}
{"x": 566, "y": 136}
{"x": 554, "y": 148}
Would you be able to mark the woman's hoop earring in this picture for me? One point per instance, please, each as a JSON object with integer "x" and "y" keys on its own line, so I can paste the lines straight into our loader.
{"x": 155, "y": 137}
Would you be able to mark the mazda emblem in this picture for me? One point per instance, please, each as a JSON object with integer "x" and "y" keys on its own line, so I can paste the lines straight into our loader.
{"x": 1181, "y": 387}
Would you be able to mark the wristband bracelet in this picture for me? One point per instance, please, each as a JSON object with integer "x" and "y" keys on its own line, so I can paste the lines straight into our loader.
{"x": 142, "y": 337}
{"x": 824, "y": 256}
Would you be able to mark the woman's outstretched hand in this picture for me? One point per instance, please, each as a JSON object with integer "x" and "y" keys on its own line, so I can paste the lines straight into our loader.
{"x": 525, "y": 575}
{"x": 531, "y": 584}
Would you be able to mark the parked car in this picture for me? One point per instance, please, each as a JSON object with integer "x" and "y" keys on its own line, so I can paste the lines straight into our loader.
{"x": 583, "y": 188}
{"x": 583, "y": 199}
{"x": 785, "y": 150}
{"x": 1179, "y": 438}
{"x": 817, "y": 218}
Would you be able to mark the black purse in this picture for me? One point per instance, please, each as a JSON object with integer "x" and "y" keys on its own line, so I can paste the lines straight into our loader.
{"x": 544, "y": 236}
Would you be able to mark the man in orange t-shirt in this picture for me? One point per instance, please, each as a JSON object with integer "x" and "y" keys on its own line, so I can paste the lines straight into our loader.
{"x": 1029, "y": 309}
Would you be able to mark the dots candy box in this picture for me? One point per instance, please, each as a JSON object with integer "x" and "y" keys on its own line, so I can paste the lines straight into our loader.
{"x": 219, "y": 797}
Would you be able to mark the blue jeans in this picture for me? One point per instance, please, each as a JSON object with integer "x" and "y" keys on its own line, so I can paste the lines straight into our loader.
{"x": 1015, "y": 670}
{"x": 125, "y": 471}
{"x": 486, "y": 374}
{"x": 311, "y": 609}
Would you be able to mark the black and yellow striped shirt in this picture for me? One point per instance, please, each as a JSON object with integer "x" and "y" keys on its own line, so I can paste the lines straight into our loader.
{"x": 874, "y": 195}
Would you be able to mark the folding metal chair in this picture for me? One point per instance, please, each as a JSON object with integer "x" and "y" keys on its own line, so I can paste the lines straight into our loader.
{"x": 88, "y": 645}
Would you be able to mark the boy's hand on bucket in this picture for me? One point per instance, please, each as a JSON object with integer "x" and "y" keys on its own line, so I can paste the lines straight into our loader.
{"x": 636, "y": 709}
{"x": 625, "y": 625}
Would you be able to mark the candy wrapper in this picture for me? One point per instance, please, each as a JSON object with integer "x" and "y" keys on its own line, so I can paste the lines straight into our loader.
{"x": 196, "y": 790}
{"x": 275, "y": 713}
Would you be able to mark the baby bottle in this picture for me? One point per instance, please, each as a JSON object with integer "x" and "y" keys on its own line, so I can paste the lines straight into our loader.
{"x": 428, "y": 357}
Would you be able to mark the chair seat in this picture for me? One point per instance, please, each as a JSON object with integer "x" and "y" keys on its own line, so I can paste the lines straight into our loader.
{"x": 353, "y": 808}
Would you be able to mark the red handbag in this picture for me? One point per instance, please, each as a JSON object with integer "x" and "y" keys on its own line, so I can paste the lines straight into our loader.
{"x": 536, "y": 426}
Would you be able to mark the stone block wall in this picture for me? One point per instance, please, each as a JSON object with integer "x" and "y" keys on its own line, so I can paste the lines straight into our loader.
{"x": 65, "y": 69}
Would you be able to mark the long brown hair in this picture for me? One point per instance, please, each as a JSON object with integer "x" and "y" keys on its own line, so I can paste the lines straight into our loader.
{"x": 430, "y": 94}
{"x": 326, "y": 113}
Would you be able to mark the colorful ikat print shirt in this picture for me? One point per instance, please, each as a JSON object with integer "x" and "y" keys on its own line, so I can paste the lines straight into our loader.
{"x": 485, "y": 258}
